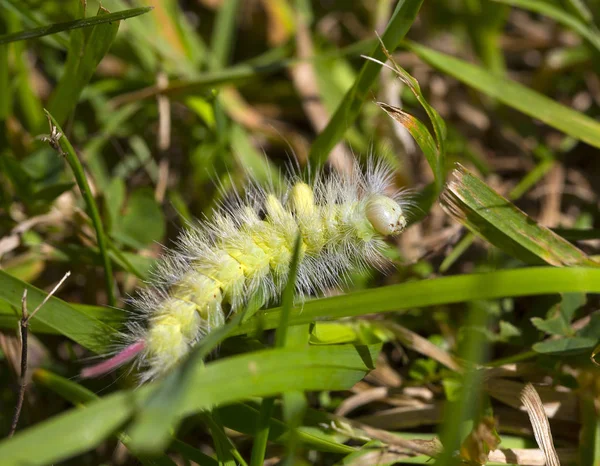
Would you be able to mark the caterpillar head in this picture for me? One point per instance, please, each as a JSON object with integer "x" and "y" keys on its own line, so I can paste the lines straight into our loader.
{"x": 386, "y": 215}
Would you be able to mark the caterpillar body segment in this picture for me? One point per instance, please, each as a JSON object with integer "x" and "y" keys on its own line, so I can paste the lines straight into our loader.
{"x": 247, "y": 247}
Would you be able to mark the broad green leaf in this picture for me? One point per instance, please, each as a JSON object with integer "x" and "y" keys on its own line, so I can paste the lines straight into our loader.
{"x": 80, "y": 396}
{"x": 559, "y": 15}
{"x": 56, "y": 315}
{"x": 263, "y": 373}
{"x": 114, "y": 197}
{"x": 399, "y": 24}
{"x": 328, "y": 333}
{"x": 514, "y": 95}
{"x": 560, "y": 322}
{"x": 142, "y": 221}
{"x": 10, "y": 315}
{"x": 494, "y": 218}
{"x": 69, "y": 25}
{"x": 568, "y": 345}
{"x": 86, "y": 49}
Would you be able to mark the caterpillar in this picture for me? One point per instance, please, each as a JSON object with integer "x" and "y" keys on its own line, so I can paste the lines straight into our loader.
{"x": 247, "y": 247}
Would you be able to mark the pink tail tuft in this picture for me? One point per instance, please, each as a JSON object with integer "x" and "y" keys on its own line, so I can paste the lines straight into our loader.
{"x": 117, "y": 360}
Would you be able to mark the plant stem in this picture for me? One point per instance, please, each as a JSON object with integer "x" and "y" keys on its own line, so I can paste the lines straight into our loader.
{"x": 61, "y": 144}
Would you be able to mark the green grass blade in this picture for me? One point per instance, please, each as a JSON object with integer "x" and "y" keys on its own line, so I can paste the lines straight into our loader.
{"x": 86, "y": 49}
{"x": 514, "y": 95}
{"x": 65, "y": 147}
{"x": 400, "y": 22}
{"x": 243, "y": 417}
{"x": 261, "y": 437}
{"x": 446, "y": 290}
{"x": 259, "y": 374}
{"x": 5, "y": 89}
{"x": 589, "y": 444}
{"x": 69, "y": 25}
{"x": 56, "y": 314}
{"x": 80, "y": 396}
{"x": 560, "y": 16}
{"x": 227, "y": 454}
{"x": 423, "y": 138}
{"x": 30, "y": 19}
{"x": 494, "y": 218}
{"x": 193, "y": 454}
{"x": 223, "y": 34}
{"x": 467, "y": 406}
{"x": 85, "y": 428}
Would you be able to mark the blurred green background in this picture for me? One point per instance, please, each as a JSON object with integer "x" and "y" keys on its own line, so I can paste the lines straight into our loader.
{"x": 169, "y": 109}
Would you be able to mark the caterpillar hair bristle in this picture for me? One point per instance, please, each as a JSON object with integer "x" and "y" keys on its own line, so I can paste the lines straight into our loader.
{"x": 247, "y": 246}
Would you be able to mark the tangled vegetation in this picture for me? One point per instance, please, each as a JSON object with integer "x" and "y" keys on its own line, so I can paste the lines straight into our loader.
{"x": 124, "y": 122}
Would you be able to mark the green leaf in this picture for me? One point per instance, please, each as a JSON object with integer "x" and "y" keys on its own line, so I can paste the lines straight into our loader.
{"x": 424, "y": 293}
{"x": 422, "y": 136}
{"x": 50, "y": 193}
{"x": 560, "y": 323}
{"x": 56, "y": 314}
{"x": 69, "y": 25}
{"x": 328, "y": 333}
{"x": 592, "y": 329}
{"x": 79, "y": 396}
{"x": 446, "y": 290}
{"x": 348, "y": 110}
{"x": 439, "y": 127}
{"x": 114, "y": 197}
{"x": 86, "y": 49}
{"x": 142, "y": 222}
{"x": 263, "y": 373}
{"x": 494, "y": 218}
{"x": 565, "y": 346}
{"x": 514, "y": 95}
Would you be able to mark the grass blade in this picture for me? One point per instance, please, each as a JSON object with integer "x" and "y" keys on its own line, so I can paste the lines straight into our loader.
{"x": 403, "y": 17}
{"x": 56, "y": 314}
{"x": 446, "y": 290}
{"x": 494, "y": 218}
{"x": 261, "y": 437}
{"x": 514, "y": 95}
{"x": 69, "y": 25}
{"x": 259, "y": 374}
{"x": 86, "y": 49}
{"x": 80, "y": 396}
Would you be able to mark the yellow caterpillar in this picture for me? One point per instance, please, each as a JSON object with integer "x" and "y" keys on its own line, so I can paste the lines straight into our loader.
{"x": 247, "y": 248}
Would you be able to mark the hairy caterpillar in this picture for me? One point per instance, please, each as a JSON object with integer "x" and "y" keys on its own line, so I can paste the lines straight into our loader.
{"x": 247, "y": 247}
